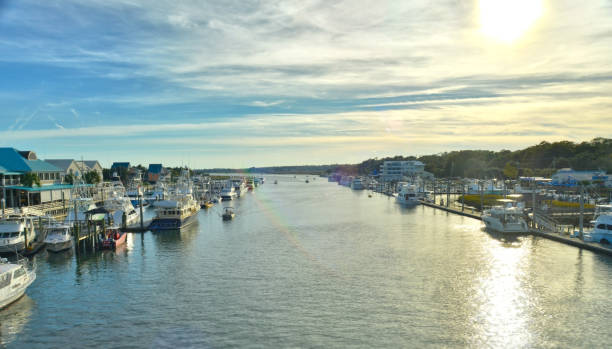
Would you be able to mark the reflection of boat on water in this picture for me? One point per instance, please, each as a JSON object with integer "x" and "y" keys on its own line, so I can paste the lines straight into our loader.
{"x": 14, "y": 319}
{"x": 15, "y": 278}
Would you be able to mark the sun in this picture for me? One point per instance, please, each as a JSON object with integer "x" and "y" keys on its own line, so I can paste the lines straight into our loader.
{"x": 508, "y": 20}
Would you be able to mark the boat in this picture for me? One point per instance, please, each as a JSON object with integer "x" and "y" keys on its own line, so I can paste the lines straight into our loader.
{"x": 240, "y": 187}
{"x": 113, "y": 237}
{"x": 275, "y": 181}
{"x": 407, "y": 195}
{"x": 58, "y": 237}
{"x": 122, "y": 210}
{"x": 357, "y": 184}
{"x": 179, "y": 210}
{"x": 207, "y": 204}
{"x": 228, "y": 193}
{"x": 15, "y": 278}
{"x": 16, "y": 231}
{"x": 79, "y": 207}
{"x": 506, "y": 218}
{"x": 307, "y": 181}
{"x": 228, "y": 214}
{"x": 602, "y": 225}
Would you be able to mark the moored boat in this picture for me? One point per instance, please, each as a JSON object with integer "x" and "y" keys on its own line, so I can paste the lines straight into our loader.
{"x": 16, "y": 232}
{"x": 15, "y": 278}
{"x": 58, "y": 238}
{"x": 113, "y": 237}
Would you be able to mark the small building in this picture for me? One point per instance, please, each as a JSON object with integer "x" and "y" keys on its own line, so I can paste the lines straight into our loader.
{"x": 397, "y": 170}
{"x": 154, "y": 172}
{"x": 77, "y": 168}
{"x": 14, "y": 164}
{"x": 117, "y": 165}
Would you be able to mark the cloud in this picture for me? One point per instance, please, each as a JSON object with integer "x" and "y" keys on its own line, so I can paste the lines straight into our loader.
{"x": 265, "y": 104}
{"x": 74, "y": 112}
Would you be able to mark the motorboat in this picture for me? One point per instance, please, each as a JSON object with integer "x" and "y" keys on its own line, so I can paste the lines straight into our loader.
{"x": 275, "y": 181}
{"x": 602, "y": 225}
{"x": 15, "y": 278}
{"x": 240, "y": 187}
{"x": 506, "y": 218}
{"x": 79, "y": 207}
{"x": 16, "y": 232}
{"x": 58, "y": 237}
{"x": 357, "y": 184}
{"x": 407, "y": 195}
{"x": 112, "y": 238}
{"x": 122, "y": 210}
{"x": 228, "y": 214}
{"x": 228, "y": 193}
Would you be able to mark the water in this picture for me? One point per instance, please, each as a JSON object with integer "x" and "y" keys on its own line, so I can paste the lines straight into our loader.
{"x": 318, "y": 265}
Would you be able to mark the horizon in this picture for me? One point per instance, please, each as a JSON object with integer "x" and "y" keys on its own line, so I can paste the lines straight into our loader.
{"x": 259, "y": 84}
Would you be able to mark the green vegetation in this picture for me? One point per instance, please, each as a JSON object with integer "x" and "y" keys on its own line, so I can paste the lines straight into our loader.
{"x": 92, "y": 177}
{"x": 29, "y": 179}
{"x": 473, "y": 200}
{"x": 539, "y": 160}
{"x": 69, "y": 179}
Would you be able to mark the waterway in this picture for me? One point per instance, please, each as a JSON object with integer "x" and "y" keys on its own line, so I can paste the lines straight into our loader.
{"x": 318, "y": 265}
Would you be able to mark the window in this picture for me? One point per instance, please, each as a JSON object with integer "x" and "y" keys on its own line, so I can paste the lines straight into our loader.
{"x": 5, "y": 280}
{"x": 14, "y": 235}
{"x": 5, "y": 235}
{"x": 19, "y": 272}
{"x": 601, "y": 226}
{"x": 609, "y": 226}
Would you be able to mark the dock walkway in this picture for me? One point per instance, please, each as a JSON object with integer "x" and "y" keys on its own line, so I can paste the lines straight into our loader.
{"x": 572, "y": 241}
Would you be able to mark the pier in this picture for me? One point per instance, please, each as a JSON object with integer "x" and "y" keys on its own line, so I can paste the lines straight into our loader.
{"x": 547, "y": 230}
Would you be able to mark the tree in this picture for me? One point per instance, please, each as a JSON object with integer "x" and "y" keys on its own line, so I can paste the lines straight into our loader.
{"x": 510, "y": 171}
{"x": 69, "y": 179}
{"x": 29, "y": 179}
{"x": 92, "y": 177}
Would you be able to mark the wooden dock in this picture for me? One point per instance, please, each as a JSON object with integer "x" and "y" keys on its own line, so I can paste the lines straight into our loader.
{"x": 576, "y": 242}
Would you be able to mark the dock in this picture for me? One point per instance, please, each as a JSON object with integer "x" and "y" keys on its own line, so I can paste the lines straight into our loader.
{"x": 568, "y": 240}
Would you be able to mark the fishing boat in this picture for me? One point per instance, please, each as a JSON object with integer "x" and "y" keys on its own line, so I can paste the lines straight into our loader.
{"x": 240, "y": 187}
{"x": 602, "y": 225}
{"x": 357, "y": 184}
{"x": 228, "y": 214}
{"x": 506, "y": 218}
{"x": 16, "y": 232}
{"x": 228, "y": 193}
{"x": 113, "y": 237}
{"x": 58, "y": 237}
{"x": 15, "y": 278}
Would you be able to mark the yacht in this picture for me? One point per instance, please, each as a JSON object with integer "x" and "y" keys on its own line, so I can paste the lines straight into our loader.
{"x": 357, "y": 184}
{"x": 15, "y": 232}
{"x": 506, "y": 218}
{"x": 119, "y": 207}
{"x": 407, "y": 195}
{"x": 158, "y": 193}
{"x": 602, "y": 225}
{"x": 14, "y": 280}
{"x": 240, "y": 187}
{"x": 80, "y": 206}
{"x": 179, "y": 210}
{"x": 58, "y": 238}
{"x": 228, "y": 193}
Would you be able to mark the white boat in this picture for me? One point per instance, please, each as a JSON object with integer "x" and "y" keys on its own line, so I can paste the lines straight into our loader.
{"x": 228, "y": 193}
{"x": 119, "y": 207}
{"x": 14, "y": 231}
{"x": 357, "y": 184}
{"x": 82, "y": 205}
{"x": 240, "y": 187}
{"x": 58, "y": 238}
{"x": 506, "y": 218}
{"x": 14, "y": 280}
{"x": 179, "y": 209}
{"x": 407, "y": 195}
{"x": 602, "y": 226}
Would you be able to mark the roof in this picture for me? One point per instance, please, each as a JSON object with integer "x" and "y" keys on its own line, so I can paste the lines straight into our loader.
{"x": 120, "y": 164}
{"x": 12, "y": 161}
{"x": 155, "y": 168}
{"x": 91, "y": 163}
{"x": 44, "y": 187}
{"x": 61, "y": 163}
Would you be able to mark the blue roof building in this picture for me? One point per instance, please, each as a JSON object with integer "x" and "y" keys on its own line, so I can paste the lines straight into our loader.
{"x": 117, "y": 165}
{"x": 154, "y": 172}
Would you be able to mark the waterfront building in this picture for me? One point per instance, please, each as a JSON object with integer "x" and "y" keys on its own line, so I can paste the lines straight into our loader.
{"x": 76, "y": 168}
{"x": 117, "y": 165}
{"x": 570, "y": 177}
{"x": 14, "y": 164}
{"x": 397, "y": 170}
{"x": 154, "y": 172}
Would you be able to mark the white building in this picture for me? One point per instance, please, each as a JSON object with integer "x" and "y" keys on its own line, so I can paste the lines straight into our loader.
{"x": 567, "y": 176}
{"x": 397, "y": 170}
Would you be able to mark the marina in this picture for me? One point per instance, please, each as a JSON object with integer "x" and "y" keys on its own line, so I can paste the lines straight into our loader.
{"x": 246, "y": 267}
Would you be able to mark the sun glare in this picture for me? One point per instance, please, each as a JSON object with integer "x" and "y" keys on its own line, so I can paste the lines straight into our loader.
{"x": 507, "y": 20}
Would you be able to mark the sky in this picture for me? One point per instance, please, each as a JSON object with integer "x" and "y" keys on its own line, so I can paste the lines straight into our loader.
{"x": 260, "y": 83}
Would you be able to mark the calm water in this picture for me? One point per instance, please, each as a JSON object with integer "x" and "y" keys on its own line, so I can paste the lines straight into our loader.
{"x": 318, "y": 265}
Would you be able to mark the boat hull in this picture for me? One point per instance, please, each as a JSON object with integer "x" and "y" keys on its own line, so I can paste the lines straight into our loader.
{"x": 16, "y": 293}
{"x": 172, "y": 223}
{"x": 11, "y": 248}
{"x": 509, "y": 228}
{"x": 59, "y": 246}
